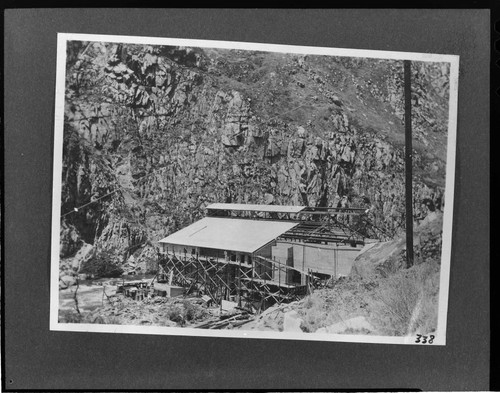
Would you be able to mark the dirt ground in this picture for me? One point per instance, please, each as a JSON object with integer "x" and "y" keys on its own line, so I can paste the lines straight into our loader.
{"x": 89, "y": 297}
{"x": 397, "y": 305}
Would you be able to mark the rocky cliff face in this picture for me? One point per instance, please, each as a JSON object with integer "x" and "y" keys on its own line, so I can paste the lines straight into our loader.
{"x": 154, "y": 134}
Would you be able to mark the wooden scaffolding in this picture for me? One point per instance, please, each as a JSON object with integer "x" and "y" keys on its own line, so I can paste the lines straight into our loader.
{"x": 247, "y": 274}
{"x": 253, "y": 286}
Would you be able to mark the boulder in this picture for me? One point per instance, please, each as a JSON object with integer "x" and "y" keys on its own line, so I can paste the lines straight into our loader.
{"x": 376, "y": 258}
{"x": 66, "y": 281}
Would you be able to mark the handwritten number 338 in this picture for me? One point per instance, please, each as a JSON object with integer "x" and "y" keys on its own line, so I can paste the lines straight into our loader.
{"x": 423, "y": 339}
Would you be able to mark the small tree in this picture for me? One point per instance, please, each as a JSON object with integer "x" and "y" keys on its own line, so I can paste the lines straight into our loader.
{"x": 104, "y": 264}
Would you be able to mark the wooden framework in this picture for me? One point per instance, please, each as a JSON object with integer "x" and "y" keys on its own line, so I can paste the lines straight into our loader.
{"x": 305, "y": 213}
{"x": 252, "y": 280}
{"x": 316, "y": 224}
{"x": 253, "y": 286}
{"x": 325, "y": 232}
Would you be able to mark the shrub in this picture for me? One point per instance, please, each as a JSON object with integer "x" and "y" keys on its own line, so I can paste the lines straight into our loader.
{"x": 175, "y": 314}
{"x": 185, "y": 311}
{"x": 104, "y": 264}
{"x": 193, "y": 312}
{"x": 390, "y": 266}
{"x": 406, "y": 302}
{"x": 314, "y": 313}
{"x": 70, "y": 316}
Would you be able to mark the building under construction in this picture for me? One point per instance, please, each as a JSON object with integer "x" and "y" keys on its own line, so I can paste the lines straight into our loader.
{"x": 257, "y": 255}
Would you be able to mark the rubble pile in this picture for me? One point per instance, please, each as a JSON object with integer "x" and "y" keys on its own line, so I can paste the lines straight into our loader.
{"x": 157, "y": 311}
{"x": 120, "y": 308}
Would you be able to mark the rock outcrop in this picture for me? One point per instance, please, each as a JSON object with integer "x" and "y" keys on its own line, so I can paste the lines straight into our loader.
{"x": 385, "y": 258}
{"x": 154, "y": 134}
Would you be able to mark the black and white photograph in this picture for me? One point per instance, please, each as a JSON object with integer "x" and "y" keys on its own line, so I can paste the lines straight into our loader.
{"x": 230, "y": 189}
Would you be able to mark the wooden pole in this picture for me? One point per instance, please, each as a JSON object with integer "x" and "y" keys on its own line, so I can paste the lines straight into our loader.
{"x": 251, "y": 281}
{"x": 220, "y": 300}
{"x": 227, "y": 281}
{"x": 239, "y": 281}
{"x": 157, "y": 265}
{"x": 219, "y": 289}
{"x": 279, "y": 284}
{"x": 198, "y": 270}
{"x": 335, "y": 251}
{"x": 408, "y": 165}
{"x": 279, "y": 276}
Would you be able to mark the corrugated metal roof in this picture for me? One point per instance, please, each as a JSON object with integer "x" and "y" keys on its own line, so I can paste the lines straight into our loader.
{"x": 230, "y": 234}
{"x": 261, "y": 208}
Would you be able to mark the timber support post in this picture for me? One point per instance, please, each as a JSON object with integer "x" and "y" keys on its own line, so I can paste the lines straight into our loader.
{"x": 408, "y": 164}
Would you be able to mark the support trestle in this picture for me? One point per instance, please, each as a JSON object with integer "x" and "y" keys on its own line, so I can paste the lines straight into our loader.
{"x": 252, "y": 286}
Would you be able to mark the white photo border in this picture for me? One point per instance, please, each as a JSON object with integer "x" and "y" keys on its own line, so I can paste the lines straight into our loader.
{"x": 55, "y": 325}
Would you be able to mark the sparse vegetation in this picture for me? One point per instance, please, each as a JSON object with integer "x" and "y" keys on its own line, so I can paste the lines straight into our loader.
{"x": 105, "y": 264}
{"x": 407, "y": 302}
{"x": 193, "y": 311}
{"x": 70, "y": 316}
{"x": 325, "y": 307}
{"x": 315, "y": 313}
{"x": 395, "y": 303}
{"x": 157, "y": 311}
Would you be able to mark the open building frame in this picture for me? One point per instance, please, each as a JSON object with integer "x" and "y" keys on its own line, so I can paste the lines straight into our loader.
{"x": 259, "y": 255}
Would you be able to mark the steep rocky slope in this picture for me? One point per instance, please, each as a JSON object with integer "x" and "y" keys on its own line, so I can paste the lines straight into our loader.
{"x": 154, "y": 134}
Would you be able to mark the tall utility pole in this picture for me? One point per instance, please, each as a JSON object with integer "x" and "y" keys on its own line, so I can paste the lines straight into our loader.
{"x": 408, "y": 165}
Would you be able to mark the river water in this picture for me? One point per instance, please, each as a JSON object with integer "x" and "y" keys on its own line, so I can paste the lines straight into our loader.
{"x": 90, "y": 293}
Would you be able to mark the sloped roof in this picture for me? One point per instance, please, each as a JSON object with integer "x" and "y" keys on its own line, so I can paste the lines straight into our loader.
{"x": 260, "y": 208}
{"x": 230, "y": 234}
